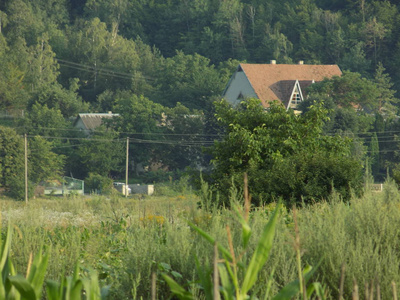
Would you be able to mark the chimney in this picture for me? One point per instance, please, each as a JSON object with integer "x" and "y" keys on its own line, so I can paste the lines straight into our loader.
{"x": 301, "y": 62}
{"x": 273, "y": 62}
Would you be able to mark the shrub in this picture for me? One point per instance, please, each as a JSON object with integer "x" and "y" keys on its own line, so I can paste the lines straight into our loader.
{"x": 98, "y": 184}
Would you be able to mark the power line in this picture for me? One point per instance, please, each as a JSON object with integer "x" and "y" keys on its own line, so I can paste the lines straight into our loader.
{"x": 106, "y": 74}
{"x": 171, "y": 142}
{"x": 349, "y": 135}
{"x": 103, "y": 71}
{"x": 75, "y": 138}
{"x": 135, "y": 141}
{"x": 123, "y": 132}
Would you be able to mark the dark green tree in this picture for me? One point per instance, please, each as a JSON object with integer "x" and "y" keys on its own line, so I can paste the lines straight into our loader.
{"x": 374, "y": 155}
{"x": 143, "y": 121}
{"x": 23, "y": 22}
{"x": 67, "y": 101}
{"x": 42, "y": 66}
{"x": 285, "y": 155}
{"x": 355, "y": 60}
{"x": 102, "y": 153}
{"x": 11, "y": 159}
{"x": 41, "y": 120}
{"x": 43, "y": 163}
{"x": 185, "y": 133}
{"x": 188, "y": 79}
{"x": 348, "y": 91}
{"x": 386, "y": 100}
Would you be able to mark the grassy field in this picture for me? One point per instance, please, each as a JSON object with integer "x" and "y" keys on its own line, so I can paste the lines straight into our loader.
{"x": 128, "y": 239}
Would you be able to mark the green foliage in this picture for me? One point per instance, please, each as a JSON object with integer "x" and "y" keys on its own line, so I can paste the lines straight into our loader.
{"x": 43, "y": 163}
{"x": 374, "y": 153}
{"x": 285, "y": 155}
{"x": 69, "y": 288}
{"x": 80, "y": 57}
{"x": 96, "y": 183}
{"x": 141, "y": 116}
{"x": 11, "y": 159}
{"x": 55, "y": 96}
{"x": 125, "y": 239}
{"x": 184, "y": 130}
{"x": 43, "y": 69}
{"x": 386, "y": 98}
{"x": 42, "y": 120}
{"x": 101, "y": 153}
{"x": 187, "y": 79}
{"x": 169, "y": 138}
{"x": 310, "y": 177}
{"x": 233, "y": 285}
{"x": 15, "y": 286}
{"x": 355, "y": 60}
{"x": 12, "y": 94}
{"x": 349, "y": 90}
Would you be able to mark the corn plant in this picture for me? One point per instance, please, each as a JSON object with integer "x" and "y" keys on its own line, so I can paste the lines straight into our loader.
{"x": 17, "y": 287}
{"x": 30, "y": 288}
{"x": 68, "y": 289}
{"x": 228, "y": 269}
{"x": 6, "y": 289}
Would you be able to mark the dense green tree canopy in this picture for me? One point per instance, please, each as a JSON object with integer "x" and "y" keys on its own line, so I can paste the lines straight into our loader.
{"x": 101, "y": 153}
{"x": 154, "y": 60}
{"x": 284, "y": 154}
{"x": 42, "y": 162}
{"x": 11, "y": 156}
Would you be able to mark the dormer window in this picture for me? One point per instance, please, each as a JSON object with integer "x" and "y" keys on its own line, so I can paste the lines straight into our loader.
{"x": 296, "y": 97}
{"x": 240, "y": 97}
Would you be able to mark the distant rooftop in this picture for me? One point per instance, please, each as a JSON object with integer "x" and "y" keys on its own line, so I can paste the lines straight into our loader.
{"x": 93, "y": 120}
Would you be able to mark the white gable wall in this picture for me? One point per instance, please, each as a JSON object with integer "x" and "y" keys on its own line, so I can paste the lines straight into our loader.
{"x": 239, "y": 84}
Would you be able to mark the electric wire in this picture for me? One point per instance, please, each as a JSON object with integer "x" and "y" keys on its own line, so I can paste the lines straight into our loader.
{"x": 122, "y": 132}
{"x": 133, "y": 141}
{"x": 381, "y": 140}
{"x": 101, "y": 71}
{"x": 163, "y": 142}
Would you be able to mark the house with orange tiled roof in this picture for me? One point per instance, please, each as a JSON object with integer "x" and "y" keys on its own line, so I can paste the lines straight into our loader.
{"x": 269, "y": 82}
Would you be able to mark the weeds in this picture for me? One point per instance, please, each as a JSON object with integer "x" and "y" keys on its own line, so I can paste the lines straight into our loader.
{"x": 108, "y": 236}
{"x": 30, "y": 287}
{"x": 238, "y": 276}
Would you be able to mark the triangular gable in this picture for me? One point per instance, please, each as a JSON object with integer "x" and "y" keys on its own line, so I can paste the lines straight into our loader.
{"x": 282, "y": 90}
{"x": 296, "y": 96}
{"x": 239, "y": 87}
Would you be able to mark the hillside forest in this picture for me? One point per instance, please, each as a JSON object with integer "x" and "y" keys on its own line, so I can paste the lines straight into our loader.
{"x": 163, "y": 65}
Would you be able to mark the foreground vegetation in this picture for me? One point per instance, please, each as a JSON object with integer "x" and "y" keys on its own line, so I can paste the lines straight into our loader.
{"x": 126, "y": 240}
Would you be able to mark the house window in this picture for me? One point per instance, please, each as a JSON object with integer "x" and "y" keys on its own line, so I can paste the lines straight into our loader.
{"x": 296, "y": 96}
{"x": 296, "y": 99}
{"x": 240, "y": 98}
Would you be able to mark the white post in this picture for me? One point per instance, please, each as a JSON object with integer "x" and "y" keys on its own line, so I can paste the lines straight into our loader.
{"x": 126, "y": 167}
{"x": 26, "y": 168}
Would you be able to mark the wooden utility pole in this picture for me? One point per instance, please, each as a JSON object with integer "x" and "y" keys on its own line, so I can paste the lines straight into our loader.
{"x": 26, "y": 168}
{"x": 126, "y": 167}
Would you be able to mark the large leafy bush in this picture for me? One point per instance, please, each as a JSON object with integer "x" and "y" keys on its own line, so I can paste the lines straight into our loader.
{"x": 285, "y": 155}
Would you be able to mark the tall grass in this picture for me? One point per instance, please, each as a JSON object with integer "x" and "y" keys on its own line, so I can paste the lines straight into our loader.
{"x": 363, "y": 235}
{"x": 126, "y": 240}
